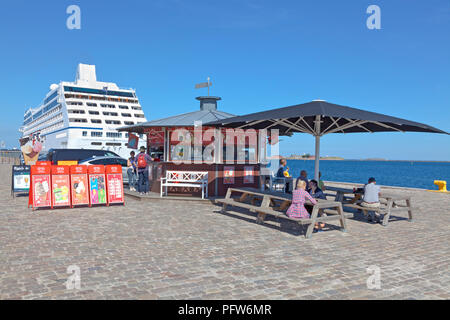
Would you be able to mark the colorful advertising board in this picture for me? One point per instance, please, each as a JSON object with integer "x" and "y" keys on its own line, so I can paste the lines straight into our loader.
{"x": 228, "y": 175}
{"x": 133, "y": 141}
{"x": 20, "y": 179}
{"x": 40, "y": 191}
{"x": 60, "y": 186}
{"x": 115, "y": 184}
{"x": 31, "y": 147}
{"x": 97, "y": 185}
{"x": 79, "y": 185}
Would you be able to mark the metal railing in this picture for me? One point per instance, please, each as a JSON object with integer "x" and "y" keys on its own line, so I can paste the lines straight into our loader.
{"x": 10, "y": 157}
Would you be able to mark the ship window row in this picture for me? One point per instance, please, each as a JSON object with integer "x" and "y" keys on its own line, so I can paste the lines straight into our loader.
{"x": 74, "y": 103}
{"x": 99, "y": 134}
{"x": 94, "y": 112}
{"x": 41, "y": 112}
{"x": 108, "y": 106}
{"x": 114, "y": 114}
{"x": 109, "y": 144}
{"x": 112, "y": 122}
{"x": 51, "y": 97}
{"x": 76, "y": 111}
{"x": 79, "y": 96}
{"x": 116, "y": 122}
{"x": 111, "y": 106}
{"x": 41, "y": 120}
{"x": 50, "y": 127}
{"x": 102, "y": 92}
{"x": 77, "y": 120}
{"x": 53, "y": 127}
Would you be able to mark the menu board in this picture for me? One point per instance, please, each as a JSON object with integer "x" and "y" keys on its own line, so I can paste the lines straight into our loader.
{"x": 248, "y": 175}
{"x": 20, "y": 179}
{"x": 60, "y": 190}
{"x": 41, "y": 191}
{"x": 97, "y": 188}
{"x": 228, "y": 175}
{"x": 115, "y": 188}
{"x": 80, "y": 193}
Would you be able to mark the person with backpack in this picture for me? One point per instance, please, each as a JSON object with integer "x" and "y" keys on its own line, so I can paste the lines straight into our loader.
{"x": 142, "y": 162}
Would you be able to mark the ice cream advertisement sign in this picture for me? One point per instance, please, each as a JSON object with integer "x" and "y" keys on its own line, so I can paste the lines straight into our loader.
{"x": 97, "y": 184}
{"x": 60, "y": 186}
{"x": 30, "y": 147}
{"x": 79, "y": 185}
{"x": 40, "y": 187}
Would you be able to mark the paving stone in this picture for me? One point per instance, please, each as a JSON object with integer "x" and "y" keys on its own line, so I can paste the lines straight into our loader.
{"x": 176, "y": 250}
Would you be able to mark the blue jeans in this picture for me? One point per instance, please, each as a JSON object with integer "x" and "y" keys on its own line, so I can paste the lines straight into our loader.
{"x": 143, "y": 184}
{"x": 131, "y": 178}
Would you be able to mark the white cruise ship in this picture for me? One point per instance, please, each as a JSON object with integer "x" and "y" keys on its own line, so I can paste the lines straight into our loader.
{"x": 84, "y": 115}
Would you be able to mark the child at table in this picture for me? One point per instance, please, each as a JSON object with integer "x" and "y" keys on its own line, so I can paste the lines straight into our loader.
{"x": 299, "y": 197}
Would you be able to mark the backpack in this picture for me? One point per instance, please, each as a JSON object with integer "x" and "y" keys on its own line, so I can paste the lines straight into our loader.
{"x": 142, "y": 162}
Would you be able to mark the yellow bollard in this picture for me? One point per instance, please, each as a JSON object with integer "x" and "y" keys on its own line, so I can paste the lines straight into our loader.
{"x": 442, "y": 185}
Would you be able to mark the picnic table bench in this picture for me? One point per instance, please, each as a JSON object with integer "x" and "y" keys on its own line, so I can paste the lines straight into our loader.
{"x": 388, "y": 203}
{"x": 273, "y": 203}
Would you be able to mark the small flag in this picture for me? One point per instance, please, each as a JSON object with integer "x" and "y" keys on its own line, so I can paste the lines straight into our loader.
{"x": 203, "y": 85}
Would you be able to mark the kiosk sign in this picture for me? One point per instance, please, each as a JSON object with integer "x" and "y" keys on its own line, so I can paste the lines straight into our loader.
{"x": 115, "y": 184}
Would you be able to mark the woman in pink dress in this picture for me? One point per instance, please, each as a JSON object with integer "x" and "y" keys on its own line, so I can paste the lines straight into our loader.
{"x": 297, "y": 209}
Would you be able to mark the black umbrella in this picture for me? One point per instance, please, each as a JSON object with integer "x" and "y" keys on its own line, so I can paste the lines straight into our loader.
{"x": 319, "y": 118}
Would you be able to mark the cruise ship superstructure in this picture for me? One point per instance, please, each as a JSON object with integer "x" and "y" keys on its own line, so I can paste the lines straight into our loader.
{"x": 85, "y": 115}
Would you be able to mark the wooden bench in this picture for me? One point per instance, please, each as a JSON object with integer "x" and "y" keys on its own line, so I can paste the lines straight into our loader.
{"x": 388, "y": 205}
{"x": 275, "y": 204}
{"x": 190, "y": 179}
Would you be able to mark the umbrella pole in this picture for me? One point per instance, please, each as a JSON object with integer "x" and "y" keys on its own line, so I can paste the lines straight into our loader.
{"x": 317, "y": 157}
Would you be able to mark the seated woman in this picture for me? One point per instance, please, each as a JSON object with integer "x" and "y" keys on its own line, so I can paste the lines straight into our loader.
{"x": 299, "y": 196}
{"x": 316, "y": 193}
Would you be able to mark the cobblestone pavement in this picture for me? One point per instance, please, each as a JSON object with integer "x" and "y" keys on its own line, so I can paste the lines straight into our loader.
{"x": 177, "y": 250}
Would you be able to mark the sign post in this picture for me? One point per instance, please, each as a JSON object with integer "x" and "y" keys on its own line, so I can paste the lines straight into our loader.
{"x": 97, "y": 185}
{"x": 60, "y": 186}
{"x": 114, "y": 181}
{"x": 79, "y": 185}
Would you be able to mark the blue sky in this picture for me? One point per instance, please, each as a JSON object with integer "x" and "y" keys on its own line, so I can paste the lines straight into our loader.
{"x": 259, "y": 54}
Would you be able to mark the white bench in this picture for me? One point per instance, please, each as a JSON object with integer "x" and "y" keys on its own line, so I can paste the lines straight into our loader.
{"x": 191, "y": 179}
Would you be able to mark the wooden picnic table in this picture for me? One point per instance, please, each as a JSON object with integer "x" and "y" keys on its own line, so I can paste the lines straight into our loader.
{"x": 275, "y": 203}
{"x": 388, "y": 203}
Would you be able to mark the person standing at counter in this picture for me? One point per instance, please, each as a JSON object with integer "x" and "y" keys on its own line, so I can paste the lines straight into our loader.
{"x": 142, "y": 161}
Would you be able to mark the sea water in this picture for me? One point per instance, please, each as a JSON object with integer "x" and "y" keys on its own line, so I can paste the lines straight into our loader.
{"x": 411, "y": 174}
